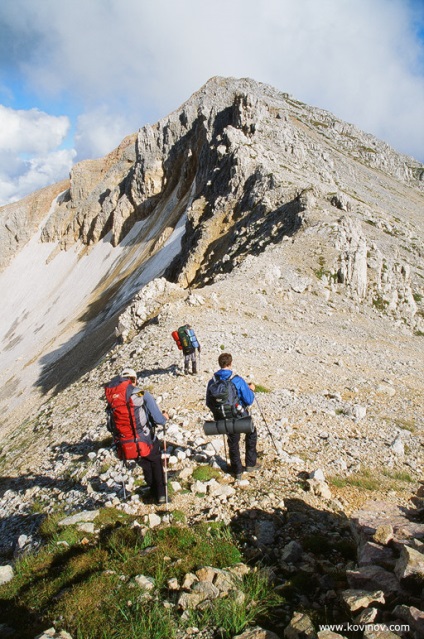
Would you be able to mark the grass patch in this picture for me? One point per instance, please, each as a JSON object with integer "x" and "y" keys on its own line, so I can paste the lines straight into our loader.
{"x": 252, "y": 602}
{"x": 261, "y": 389}
{"x": 206, "y": 473}
{"x": 362, "y": 479}
{"x": 379, "y": 303}
{"x": 406, "y": 424}
{"x": 399, "y": 475}
{"x": 322, "y": 272}
{"x": 372, "y": 480}
{"x": 89, "y": 590}
{"x": 179, "y": 517}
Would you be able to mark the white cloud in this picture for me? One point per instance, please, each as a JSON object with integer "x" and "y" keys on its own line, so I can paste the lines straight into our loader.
{"x": 29, "y": 154}
{"x": 98, "y": 132}
{"x": 123, "y": 63}
{"x": 31, "y": 131}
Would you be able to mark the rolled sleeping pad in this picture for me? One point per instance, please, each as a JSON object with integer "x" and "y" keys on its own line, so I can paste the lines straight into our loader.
{"x": 232, "y": 426}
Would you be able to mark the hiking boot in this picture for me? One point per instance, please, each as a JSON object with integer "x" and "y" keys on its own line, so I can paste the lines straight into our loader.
{"x": 162, "y": 500}
{"x": 251, "y": 469}
{"x": 146, "y": 491}
{"x": 238, "y": 476}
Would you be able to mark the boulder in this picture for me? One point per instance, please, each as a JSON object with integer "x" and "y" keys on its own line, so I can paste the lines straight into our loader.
{"x": 410, "y": 565}
{"x": 357, "y": 599}
{"x": 300, "y": 627}
{"x": 6, "y": 574}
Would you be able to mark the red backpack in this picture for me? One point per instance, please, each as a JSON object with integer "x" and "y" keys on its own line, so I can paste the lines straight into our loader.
{"x": 129, "y": 426}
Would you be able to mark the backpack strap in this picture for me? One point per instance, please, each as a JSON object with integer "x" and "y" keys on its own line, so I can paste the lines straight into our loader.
{"x": 150, "y": 422}
{"x": 128, "y": 394}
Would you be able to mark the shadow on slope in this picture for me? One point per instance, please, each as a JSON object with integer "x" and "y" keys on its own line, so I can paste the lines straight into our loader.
{"x": 67, "y": 364}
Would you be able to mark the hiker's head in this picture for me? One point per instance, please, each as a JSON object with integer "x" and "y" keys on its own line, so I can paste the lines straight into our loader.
{"x": 225, "y": 360}
{"x": 131, "y": 374}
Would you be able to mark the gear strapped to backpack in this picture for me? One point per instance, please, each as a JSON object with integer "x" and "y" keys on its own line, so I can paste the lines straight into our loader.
{"x": 224, "y": 399}
{"x": 128, "y": 419}
{"x": 186, "y": 338}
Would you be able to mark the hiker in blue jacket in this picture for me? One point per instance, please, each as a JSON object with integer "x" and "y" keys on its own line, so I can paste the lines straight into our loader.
{"x": 246, "y": 397}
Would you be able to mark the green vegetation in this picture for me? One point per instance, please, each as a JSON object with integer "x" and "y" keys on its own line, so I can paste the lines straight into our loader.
{"x": 371, "y": 480}
{"x": 364, "y": 478}
{"x": 322, "y": 272}
{"x": 261, "y": 389}
{"x": 379, "y": 303}
{"x": 398, "y": 475}
{"x": 88, "y": 587}
{"x": 205, "y": 473}
{"x": 406, "y": 424}
{"x": 253, "y": 602}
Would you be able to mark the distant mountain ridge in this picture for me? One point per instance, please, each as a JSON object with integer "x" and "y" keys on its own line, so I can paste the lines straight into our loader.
{"x": 236, "y": 168}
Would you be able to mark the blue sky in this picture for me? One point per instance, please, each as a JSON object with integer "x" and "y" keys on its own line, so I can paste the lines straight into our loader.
{"x": 77, "y": 76}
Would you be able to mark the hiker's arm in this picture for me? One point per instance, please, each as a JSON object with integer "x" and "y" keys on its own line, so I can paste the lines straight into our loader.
{"x": 245, "y": 391}
{"x": 157, "y": 415}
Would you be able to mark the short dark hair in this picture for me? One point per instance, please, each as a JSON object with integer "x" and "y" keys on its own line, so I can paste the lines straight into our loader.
{"x": 225, "y": 359}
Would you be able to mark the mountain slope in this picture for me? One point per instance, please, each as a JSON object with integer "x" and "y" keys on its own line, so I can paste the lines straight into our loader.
{"x": 236, "y": 168}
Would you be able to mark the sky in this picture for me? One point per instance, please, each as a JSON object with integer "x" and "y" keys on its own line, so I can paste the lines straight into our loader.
{"x": 77, "y": 76}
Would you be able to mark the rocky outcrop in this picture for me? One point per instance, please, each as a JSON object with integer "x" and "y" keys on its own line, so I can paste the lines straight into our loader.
{"x": 390, "y": 557}
{"x": 20, "y": 221}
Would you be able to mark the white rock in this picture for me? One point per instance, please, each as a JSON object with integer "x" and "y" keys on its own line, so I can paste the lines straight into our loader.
{"x": 83, "y": 516}
{"x": 6, "y": 574}
{"x": 147, "y": 583}
{"x": 199, "y": 487}
{"x": 87, "y": 527}
{"x": 317, "y": 474}
{"x": 153, "y": 520}
{"x": 358, "y": 412}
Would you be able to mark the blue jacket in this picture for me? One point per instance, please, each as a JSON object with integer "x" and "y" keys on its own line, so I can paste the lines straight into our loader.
{"x": 245, "y": 394}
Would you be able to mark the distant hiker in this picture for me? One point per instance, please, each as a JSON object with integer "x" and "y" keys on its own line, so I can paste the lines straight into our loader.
{"x": 133, "y": 417}
{"x": 187, "y": 341}
{"x": 229, "y": 395}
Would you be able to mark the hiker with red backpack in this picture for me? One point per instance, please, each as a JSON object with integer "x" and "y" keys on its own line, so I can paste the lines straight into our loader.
{"x": 133, "y": 415}
{"x": 188, "y": 343}
{"x": 228, "y": 396}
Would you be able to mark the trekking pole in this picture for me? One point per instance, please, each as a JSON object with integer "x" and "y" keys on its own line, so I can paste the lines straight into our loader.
{"x": 225, "y": 449}
{"x": 166, "y": 467}
{"x": 124, "y": 466}
{"x": 268, "y": 429}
